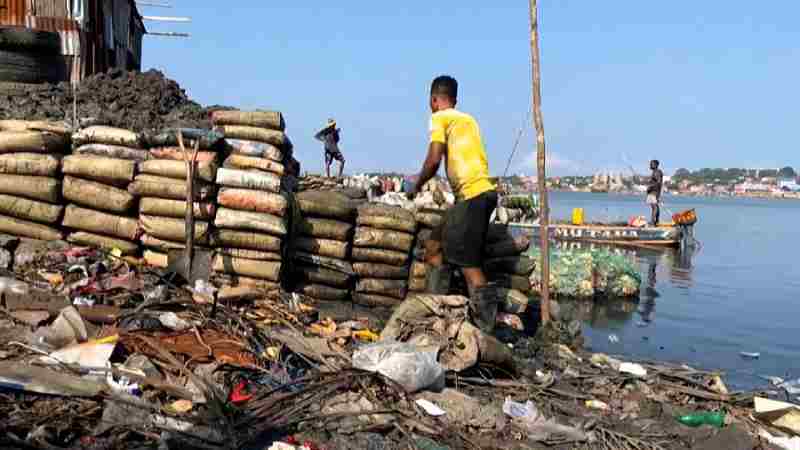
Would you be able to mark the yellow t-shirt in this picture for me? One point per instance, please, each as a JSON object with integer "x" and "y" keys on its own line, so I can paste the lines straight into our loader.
{"x": 467, "y": 167}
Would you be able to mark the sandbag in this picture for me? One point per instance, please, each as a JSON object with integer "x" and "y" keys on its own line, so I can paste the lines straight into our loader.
{"x": 324, "y": 247}
{"x": 375, "y": 270}
{"x": 176, "y": 208}
{"x": 34, "y": 188}
{"x": 250, "y": 162}
{"x": 387, "y": 239}
{"x": 33, "y": 164}
{"x": 245, "y": 239}
{"x": 260, "y": 181}
{"x": 511, "y": 247}
{"x": 176, "y": 154}
{"x": 257, "y": 283}
{"x": 156, "y": 259}
{"x": 262, "y": 119}
{"x": 172, "y": 229}
{"x": 321, "y": 275}
{"x": 253, "y": 148}
{"x": 389, "y": 288}
{"x": 419, "y": 269}
{"x": 206, "y": 171}
{"x": 161, "y": 245}
{"x": 429, "y": 219}
{"x": 24, "y": 228}
{"x": 380, "y": 256}
{"x": 512, "y": 300}
{"x": 102, "y": 223}
{"x": 322, "y": 292}
{"x": 22, "y": 208}
{"x": 274, "y": 137}
{"x": 97, "y": 195}
{"x": 268, "y": 270}
{"x": 98, "y": 168}
{"x": 31, "y": 142}
{"x": 255, "y": 201}
{"x": 169, "y": 188}
{"x": 112, "y": 151}
{"x": 323, "y": 261}
{"x": 517, "y": 265}
{"x": 383, "y": 210}
{"x": 416, "y": 284}
{"x": 375, "y": 300}
{"x": 520, "y": 283}
{"x": 100, "y": 134}
{"x": 387, "y": 223}
{"x": 96, "y": 240}
{"x": 207, "y": 139}
{"x": 248, "y": 254}
{"x": 326, "y": 204}
{"x": 325, "y": 228}
{"x": 253, "y": 221}
{"x": 59, "y": 128}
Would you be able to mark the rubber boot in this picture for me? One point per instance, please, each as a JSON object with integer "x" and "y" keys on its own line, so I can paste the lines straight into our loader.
{"x": 437, "y": 280}
{"x": 483, "y": 308}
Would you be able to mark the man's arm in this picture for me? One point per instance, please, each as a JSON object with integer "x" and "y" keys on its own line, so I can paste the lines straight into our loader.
{"x": 436, "y": 151}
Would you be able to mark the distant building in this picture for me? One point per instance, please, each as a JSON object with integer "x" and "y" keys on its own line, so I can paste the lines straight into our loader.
{"x": 788, "y": 184}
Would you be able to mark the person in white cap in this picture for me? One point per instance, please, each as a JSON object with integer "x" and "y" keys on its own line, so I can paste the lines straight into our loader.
{"x": 329, "y": 135}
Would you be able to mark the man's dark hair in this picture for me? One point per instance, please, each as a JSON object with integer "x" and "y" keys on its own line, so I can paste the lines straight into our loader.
{"x": 655, "y": 161}
{"x": 445, "y": 85}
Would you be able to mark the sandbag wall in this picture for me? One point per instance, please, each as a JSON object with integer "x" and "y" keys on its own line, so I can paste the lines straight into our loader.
{"x": 251, "y": 221}
{"x": 161, "y": 184}
{"x": 30, "y": 181}
{"x": 427, "y": 220}
{"x": 506, "y": 261}
{"x": 321, "y": 249}
{"x": 100, "y": 210}
{"x": 382, "y": 245}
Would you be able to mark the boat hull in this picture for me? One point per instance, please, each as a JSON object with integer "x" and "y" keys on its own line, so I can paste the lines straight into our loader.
{"x": 612, "y": 235}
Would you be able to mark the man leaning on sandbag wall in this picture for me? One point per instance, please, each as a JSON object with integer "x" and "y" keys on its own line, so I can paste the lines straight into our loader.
{"x": 455, "y": 135}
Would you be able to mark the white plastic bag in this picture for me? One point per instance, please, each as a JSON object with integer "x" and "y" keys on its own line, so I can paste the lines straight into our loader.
{"x": 13, "y": 286}
{"x": 538, "y": 426}
{"x": 412, "y": 367}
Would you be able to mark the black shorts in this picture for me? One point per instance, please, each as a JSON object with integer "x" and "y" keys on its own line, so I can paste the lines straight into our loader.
{"x": 463, "y": 231}
{"x": 330, "y": 156}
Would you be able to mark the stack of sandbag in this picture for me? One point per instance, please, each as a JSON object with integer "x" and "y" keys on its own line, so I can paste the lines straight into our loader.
{"x": 251, "y": 219}
{"x": 100, "y": 210}
{"x": 427, "y": 220}
{"x": 30, "y": 188}
{"x": 507, "y": 262}
{"x": 161, "y": 183}
{"x": 321, "y": 250}
{"x": 382, "y": 245}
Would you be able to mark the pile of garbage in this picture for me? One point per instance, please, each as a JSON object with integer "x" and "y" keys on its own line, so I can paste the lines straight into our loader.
{"x": 123, "y": 358}
{"x": 138, "y": 101}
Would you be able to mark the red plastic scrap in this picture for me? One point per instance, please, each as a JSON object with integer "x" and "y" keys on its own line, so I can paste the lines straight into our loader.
{"x": 240, "y": 393}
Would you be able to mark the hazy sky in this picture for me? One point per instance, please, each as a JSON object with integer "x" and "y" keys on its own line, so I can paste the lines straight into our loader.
{"x": 693, "y": 84}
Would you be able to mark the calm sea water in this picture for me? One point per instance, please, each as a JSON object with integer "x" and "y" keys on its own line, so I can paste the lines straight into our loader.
{"x": 739, "y": 292}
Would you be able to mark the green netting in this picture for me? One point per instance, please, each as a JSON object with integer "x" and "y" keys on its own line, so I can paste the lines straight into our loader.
{"x": 589, "y": 273}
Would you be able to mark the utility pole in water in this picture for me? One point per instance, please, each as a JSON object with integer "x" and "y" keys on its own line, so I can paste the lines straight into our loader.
{"x": 538, "y": 123}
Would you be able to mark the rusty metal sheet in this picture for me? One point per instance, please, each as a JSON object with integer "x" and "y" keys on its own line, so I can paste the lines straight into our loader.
{"x": 48, "y": 8}
{"x": 68, "y": 30}
{"x": 12, "y": 12}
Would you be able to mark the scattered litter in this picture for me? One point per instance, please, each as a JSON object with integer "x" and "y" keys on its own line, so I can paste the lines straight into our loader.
{"x": 179, "y": 407}
{"x": 430, "y": 408}
{"x": 750, "y": 355}
{"x": 787, "y": 443}
{"x": 10, "y": 285}
{"x": 83, "y": 301}
{"x": 597, "y": 404}
{"x": 613, "y": 338}
{"x": 792, "y": 387}
{"x": 412, "y": 367}
{"x": 537, "y": 426}
{"x": 173, "y": 322}
{"x": 633, "y": 369}
{"x": 715, "y": 419}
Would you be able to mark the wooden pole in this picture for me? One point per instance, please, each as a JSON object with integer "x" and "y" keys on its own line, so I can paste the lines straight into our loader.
{"x": 538, "y": 123}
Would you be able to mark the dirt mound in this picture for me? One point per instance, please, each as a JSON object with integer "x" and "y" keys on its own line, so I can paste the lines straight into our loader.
{"x": 139, "y": 101}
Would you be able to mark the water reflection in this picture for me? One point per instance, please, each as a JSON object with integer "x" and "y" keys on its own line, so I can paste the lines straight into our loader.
{"x": 615, "y": 313}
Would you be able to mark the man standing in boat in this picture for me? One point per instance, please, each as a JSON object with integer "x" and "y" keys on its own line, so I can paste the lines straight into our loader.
{"x": 329, "y": 135}
{"x": 654, "y": 187}
{"x": 455, "y": 137}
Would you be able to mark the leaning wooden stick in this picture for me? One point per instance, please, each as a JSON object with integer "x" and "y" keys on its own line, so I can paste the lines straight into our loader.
{"x": 191, "y": 162}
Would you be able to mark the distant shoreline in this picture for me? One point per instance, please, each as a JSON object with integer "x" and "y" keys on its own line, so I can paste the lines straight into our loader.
{"x": 760, "y": 195}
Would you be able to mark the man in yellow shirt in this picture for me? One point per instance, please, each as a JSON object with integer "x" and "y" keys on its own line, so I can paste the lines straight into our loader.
{"x": 456, "y": 138}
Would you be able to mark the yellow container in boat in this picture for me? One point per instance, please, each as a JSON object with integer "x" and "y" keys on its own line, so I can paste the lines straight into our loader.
{"x": 577, "y": 216}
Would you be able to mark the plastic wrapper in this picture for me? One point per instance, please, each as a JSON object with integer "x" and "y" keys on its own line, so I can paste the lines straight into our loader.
{"x": 412, "y": 367}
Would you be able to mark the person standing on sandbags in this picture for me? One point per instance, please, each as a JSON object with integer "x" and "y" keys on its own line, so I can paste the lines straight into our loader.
{"x": 455, "y": 136}
{"x": 329, "y": 135}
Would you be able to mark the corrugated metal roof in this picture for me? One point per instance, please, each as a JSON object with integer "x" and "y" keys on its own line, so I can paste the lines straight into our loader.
{"x": 12, "y": 12}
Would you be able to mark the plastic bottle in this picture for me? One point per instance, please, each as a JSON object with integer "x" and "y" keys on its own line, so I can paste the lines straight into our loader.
{"x": 716, "y": 419}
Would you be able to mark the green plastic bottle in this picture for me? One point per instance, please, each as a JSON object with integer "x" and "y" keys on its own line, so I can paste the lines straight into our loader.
{"x": 716, "y": 419}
